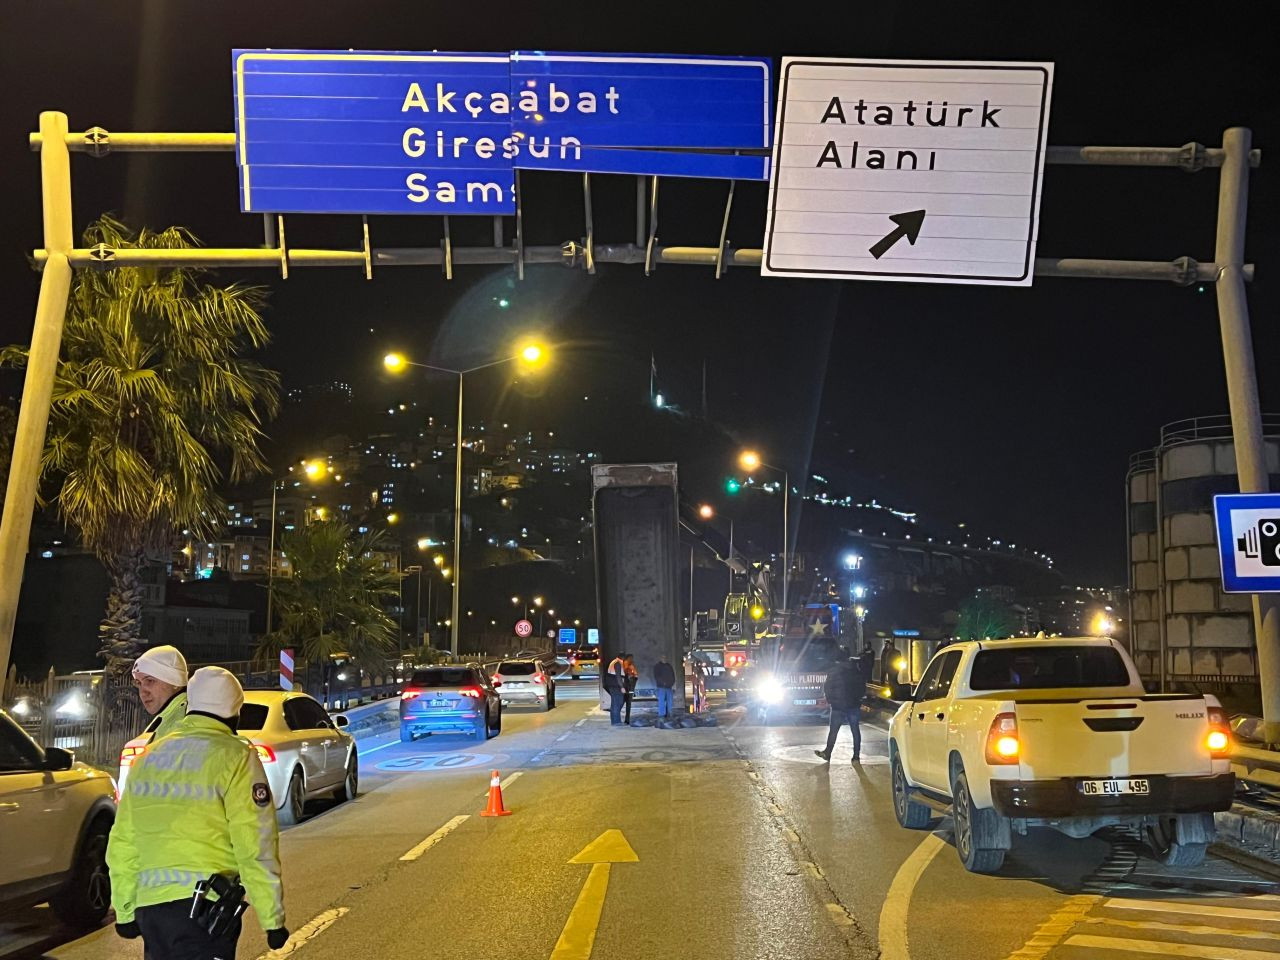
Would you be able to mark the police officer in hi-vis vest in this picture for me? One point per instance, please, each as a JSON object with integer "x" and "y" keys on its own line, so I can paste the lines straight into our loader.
{"x": 196, "y": 804}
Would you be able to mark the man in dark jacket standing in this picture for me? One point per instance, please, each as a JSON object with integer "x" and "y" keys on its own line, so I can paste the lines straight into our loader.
{"x": 615, "y": 684}
{"x": 844, "y": 691}
{"x": 664, "y": 678}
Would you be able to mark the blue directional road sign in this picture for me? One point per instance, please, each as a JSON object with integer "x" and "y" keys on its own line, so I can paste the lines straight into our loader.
{"x": 593, "y": 636}
{"x": 1249, "y": 541}
{"x": 568, "y": 636}
{"x": 368, "y": 132}
{"x": 642, "y": 114}
{"x": 443, "y": 133}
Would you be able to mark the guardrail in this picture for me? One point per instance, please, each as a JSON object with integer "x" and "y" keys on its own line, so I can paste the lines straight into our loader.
{"x": 1256, "y": 765}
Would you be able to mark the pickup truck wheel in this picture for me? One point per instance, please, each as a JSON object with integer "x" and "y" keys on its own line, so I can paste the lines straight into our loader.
{"x": 910, "y": 814}
{"x": 1163, "y": 835}
{"x": 971, "y": 823}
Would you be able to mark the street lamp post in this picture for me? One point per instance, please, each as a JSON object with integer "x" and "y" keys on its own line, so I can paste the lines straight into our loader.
{"x": 750, "y": 461}
{"x": 313, "y": 470}
{"x": 532, "y": 355}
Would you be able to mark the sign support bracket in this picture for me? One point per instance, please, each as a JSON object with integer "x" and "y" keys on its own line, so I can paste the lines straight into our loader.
{"x": 368, "y": 257}
{"x": 446, "y": 246}
{"x": 653, "y": 229}
{"x": 519, "y": 230}
{"x": 724, "y": 230}
{"x": 590, "y": 242}
{"x": 284, "y": 248}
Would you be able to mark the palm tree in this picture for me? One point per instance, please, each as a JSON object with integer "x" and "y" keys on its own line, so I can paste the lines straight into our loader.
{"x": 153, "y": 407}
{"x": 334, "y": 602}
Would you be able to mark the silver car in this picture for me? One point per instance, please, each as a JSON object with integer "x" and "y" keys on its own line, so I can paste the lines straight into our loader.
{"x": 524, "y": 682}
{"x": 305, "y": 752}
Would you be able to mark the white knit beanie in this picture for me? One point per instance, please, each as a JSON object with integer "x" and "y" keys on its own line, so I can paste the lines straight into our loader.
{"x": 215, "y": 691}
{"x": 166, "y": 664}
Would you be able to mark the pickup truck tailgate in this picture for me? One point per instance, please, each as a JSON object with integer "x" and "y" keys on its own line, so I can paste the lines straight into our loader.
{"x": 1114, "y": 736}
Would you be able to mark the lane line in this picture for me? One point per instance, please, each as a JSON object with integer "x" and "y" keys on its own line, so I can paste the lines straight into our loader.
{"x": 1165, "y": 906}
{"x": 436, "y": 837}
{"x": 1192, "y": 929}
{"x": 581, "y": 722}
{"x": 563, "y": 736}
{"x": 893, "y": 915}
{"x": 361, "y": 753}
{"x": 309, "y": 931}
{"x": 579, "y": 933}
{"x": 1050, "y": 933}
{"x": 1165, "y": 948}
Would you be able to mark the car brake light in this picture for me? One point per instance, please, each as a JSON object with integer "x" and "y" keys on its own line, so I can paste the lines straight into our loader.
{"x": 410, "y": 694}
{"x": 1219, "y": 739}
{"x": 1002, "y": 739}
{"x": 473, "y": 692}
{"x": 130, "y": 754}
{"x": 265, "y": 753}
{"x": 539, "y": 678}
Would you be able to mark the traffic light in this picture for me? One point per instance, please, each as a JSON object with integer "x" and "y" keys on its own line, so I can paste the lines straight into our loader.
{"x": 731, "y": 485}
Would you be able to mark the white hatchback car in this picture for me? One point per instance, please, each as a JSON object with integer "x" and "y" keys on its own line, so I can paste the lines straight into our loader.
{"x": 55, "y": 816}
{"x": 305, "y": 752}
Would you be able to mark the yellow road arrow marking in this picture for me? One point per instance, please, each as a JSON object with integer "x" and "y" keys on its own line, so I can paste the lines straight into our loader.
{"x": 579, "y": 934}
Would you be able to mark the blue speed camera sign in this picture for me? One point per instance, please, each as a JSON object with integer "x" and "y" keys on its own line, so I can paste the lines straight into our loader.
{"x": 1248, "y": 527}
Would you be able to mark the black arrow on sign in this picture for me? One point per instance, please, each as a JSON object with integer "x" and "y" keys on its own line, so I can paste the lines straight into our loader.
{"x": 908, "y": 226}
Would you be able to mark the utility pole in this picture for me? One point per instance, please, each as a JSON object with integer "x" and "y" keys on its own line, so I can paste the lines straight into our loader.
{"x": 42, "y": 365}
{"x": 1242, "y": 391}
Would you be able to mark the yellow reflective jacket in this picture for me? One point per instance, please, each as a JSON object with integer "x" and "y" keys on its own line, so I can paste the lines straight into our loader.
{"x": 169, "y": 716}
{"x": 196, "y": 803}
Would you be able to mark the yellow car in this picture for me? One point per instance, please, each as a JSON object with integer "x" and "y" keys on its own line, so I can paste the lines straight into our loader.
{"x": 585, "y": 663}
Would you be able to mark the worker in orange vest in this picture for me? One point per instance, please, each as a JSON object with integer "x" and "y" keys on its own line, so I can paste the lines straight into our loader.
{"x": 629, "y": 685}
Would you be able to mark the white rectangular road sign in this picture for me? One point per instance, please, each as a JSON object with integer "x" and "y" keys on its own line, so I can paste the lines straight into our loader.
{"x": 911, "y": 171}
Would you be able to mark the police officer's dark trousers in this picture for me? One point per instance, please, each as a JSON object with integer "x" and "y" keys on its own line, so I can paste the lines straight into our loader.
{"x": 169, "y": 933}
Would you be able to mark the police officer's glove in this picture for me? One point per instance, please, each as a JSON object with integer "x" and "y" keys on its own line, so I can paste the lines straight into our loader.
{"x": 129, "y": 931}
{"x": 277, "y": 938}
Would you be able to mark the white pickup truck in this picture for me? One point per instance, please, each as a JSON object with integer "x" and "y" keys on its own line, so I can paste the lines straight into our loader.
{"x": 1009, "y": 734}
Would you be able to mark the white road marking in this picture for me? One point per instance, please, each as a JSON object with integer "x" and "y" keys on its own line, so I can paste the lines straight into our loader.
{"x": 1166, "y": 948}
{"x": 893, "y": 915}
{"x": 309, "y": 931}
{"x": 436, "y": 837}
{"x": 361, "y": 753}
{"x": 1058, "y": 925}
{"x": 1193, "y": 929}
{"x": 505, "y": 783}
{"x": 1199, "y": 909}
{"x": 581, "y": 722}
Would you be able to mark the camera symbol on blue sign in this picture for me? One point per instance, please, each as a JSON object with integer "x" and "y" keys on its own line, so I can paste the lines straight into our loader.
{"x": 1248, "y": 526}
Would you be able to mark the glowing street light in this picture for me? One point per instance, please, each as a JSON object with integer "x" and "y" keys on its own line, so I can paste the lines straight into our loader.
{"x": 751, "y": 461}
{"x": 531, "y": 355}
{"x": 706, "y": 511}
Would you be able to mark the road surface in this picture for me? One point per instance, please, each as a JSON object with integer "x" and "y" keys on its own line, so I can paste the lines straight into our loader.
{"x": 745, "y": 846}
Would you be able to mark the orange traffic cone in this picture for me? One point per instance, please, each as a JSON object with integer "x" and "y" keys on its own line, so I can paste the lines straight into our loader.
{"x": 495, "y": 807}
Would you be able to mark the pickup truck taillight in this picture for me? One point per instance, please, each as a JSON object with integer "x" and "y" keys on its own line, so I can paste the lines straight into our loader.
{"x": 1218, "y": 739}
{"x": 1002, "y": 739}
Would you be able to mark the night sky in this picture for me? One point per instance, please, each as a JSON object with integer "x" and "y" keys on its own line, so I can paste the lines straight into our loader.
{"x": 1014, "y": 410}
